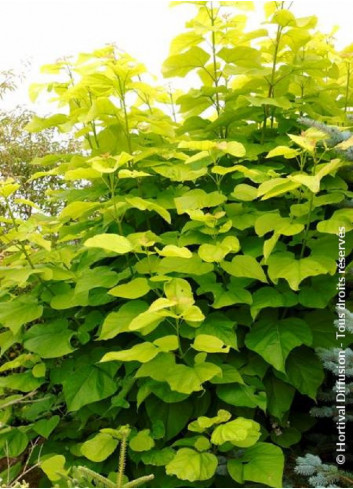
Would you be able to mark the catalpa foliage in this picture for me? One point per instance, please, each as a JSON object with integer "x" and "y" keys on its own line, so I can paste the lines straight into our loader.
{"x": 189, "y": 276}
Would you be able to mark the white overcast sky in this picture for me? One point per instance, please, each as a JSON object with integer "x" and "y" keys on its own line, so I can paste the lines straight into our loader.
{"x": 40, "y": 31}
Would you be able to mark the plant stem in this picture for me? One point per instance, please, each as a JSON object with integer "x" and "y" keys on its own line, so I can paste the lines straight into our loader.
{"x": 122, "y": 460}
{"x": 18, "y": 401}
{"x": 311, "y": 203}
{"x": 141, "y": 480}
{"x": 103, "y": 481}
{"x": 172, "y": 104}
{"x": 93, "y": 125}
{"x": 77, "y": 102}
{"x": 346, "y": 479}
{"x": 126, "y": 119}
{"x": 177, "y": 327}
{"x": 214, "y": 60}
{"x": 272, "y": 80}
{"x": 347, "y": 87}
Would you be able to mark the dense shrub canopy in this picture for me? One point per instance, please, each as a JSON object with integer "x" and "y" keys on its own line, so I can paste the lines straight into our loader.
{"x": 188, "y": 278}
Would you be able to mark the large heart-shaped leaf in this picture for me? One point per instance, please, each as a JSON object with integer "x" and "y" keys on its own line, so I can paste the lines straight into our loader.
{"x": 273, "y": 340}
{"x": 190, "y": 465}
{"x": 263, "y": 463}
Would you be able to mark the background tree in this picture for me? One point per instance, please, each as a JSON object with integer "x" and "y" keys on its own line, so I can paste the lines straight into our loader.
{"x": 20, "y": 150}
